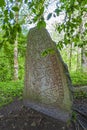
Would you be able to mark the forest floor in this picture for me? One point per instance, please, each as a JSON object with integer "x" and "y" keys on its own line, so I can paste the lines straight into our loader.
{"x": 16, "y": 116}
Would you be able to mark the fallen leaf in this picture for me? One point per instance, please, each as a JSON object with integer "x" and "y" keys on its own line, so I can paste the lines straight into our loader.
{"x": 33, "y": 124}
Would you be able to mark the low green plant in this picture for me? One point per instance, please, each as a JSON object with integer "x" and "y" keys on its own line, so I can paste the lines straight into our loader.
{"x": 9, "y": 91}
{"x": 80, "y": 95}
{"x": 79, "y": 78}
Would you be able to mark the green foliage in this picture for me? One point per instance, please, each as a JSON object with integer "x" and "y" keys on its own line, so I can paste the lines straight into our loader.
{"x": 73, "y": 22}
{"x": 9, "y": 91}
{"x": 47, "y": 51}
{"x": 5, "y": 70}
{"x": 80, "y": 95}
{"x": 41, "y": 23}
{"x": 74, "y": 11}
{"x": 2, "y": 3}
{"x": 6, "y": 62}
{"x": 9, "y": 26}
{"x": 37, "y": 8}
{"x": 79, "y": 78}
{"x": 11, "y": 12}
{"x": 15, "y": 8}
{"x": 65, "y": 52}
{"x": 7, "y": 59}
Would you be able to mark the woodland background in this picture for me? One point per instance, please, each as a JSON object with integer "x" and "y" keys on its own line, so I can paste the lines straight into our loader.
{"x": 66, "y": 20}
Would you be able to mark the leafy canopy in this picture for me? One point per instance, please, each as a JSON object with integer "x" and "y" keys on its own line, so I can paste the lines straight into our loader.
{"x": 74, "y": 24}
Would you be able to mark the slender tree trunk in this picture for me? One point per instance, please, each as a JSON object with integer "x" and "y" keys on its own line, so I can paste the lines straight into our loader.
{"x": 16, "y": 60}
{"x": 78, "y": 59}
{"x": 16, "y": 49}
{"x": 83, "y": 59}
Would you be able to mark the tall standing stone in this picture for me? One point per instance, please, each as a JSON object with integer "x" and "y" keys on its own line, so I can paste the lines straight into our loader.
{"x": 47, "y": 82}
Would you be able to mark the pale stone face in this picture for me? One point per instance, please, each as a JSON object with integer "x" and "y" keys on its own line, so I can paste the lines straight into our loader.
{"x": 46, "y": 80}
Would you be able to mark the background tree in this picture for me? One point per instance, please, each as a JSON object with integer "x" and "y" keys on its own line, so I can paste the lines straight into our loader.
{"x": 17, "y": 15}
{"x": 73, "y": 11}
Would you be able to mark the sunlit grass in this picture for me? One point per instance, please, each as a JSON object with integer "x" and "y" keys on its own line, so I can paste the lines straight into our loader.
{"x": 79, "y": 78}
{"x": 9, "y": 91}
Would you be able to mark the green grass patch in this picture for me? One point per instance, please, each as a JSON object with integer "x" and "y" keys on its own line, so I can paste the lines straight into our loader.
{"x": 79, "y": 78}
{"x": 80, "y": 95}
{"x": 10, "y": 90}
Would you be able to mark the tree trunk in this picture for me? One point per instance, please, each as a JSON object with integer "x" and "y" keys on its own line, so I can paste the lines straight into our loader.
{"x": 16, "y": 60}
{"x": 16, "y": 49}
{"x": 83, "y": 59}
{"x": 78, "y": 59}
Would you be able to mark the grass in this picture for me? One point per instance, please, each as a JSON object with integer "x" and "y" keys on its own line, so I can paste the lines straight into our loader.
{"x": 79, "y": 78}
{"x": 80, "y": 95}
{"x": 9, "y": 91}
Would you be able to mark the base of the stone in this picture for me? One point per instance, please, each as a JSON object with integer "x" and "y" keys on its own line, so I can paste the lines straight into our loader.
{"x": 55, "y": 113}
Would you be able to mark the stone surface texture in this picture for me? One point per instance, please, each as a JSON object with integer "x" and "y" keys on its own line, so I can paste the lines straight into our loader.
{"x": 47, "y": 80}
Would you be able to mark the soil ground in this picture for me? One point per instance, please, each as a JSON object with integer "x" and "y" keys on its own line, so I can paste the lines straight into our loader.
{"x": 16, "y": 116}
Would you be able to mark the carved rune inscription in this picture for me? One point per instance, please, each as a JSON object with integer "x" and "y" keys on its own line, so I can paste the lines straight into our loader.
{"x": 45, "y": 81}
